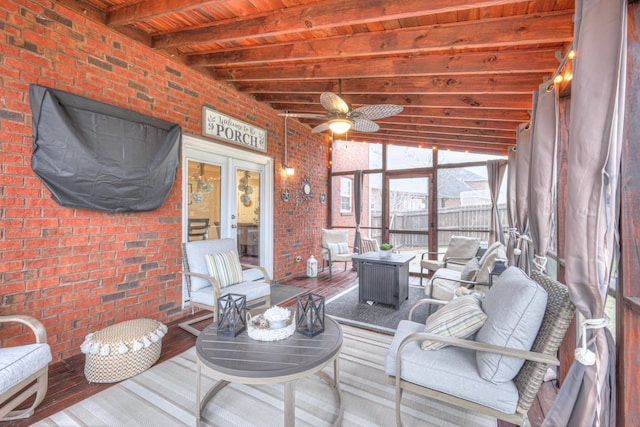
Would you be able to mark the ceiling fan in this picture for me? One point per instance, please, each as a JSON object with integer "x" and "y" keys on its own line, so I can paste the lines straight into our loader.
{"x": 342, "y": 117}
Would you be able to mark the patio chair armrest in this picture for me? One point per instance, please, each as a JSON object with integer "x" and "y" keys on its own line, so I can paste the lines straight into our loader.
{"x": 424, "y": 301}
{"x": 466, "y": 282}
{"x": 430, "y": 253}
{"x": 267, "y": 278}
{"x": 456, "y": 260}
{"x": 34, "y": 324}
{"x": 477, "y": 346}
{"x": 214, "y": 282}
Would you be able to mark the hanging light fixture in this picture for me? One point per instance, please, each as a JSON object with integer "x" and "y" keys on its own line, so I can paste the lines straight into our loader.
{"x": 289, "y": 170}
{"x": 339, "y": 126}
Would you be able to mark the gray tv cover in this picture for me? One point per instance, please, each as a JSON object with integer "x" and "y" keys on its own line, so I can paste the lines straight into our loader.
{"x": 98, "y": 156}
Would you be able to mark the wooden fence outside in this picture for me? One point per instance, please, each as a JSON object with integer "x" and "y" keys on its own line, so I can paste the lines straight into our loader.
{"x": 472, "y": 221}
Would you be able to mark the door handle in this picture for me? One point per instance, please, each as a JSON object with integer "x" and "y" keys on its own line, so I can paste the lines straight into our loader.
{"x": 234, "y": 226}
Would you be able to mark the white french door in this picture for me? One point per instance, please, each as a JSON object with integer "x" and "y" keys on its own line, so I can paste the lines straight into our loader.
{"x": 231, "y": 191}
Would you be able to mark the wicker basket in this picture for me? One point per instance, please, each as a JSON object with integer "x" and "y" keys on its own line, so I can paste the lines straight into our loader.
{"x": 122, "y": 350}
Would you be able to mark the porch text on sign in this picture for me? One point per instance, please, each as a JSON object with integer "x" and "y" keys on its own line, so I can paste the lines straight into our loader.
{"x": 218, "y": 125}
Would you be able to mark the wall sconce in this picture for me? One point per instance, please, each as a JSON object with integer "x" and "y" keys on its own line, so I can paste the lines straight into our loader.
{"x": 288, "y": 169}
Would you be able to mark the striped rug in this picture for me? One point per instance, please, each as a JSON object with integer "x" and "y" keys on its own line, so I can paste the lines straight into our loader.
{"x": 165, "y": 396}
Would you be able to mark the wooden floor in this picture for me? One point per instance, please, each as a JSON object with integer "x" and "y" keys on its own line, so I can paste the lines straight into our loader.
{"x": 68, "y": 385}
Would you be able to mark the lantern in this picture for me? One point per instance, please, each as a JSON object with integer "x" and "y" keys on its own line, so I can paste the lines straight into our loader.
{"x": 232, "y": 314}
{"x": 312, "y": 267}
{"x": 310, "y": 314}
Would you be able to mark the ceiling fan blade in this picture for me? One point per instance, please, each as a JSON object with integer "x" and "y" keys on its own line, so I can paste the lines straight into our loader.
{"x": 377, "y": 111}
{"x": 304, "y": 115}
{"x": 364, "y": 125}
{"x": 320, "y": 128}
{"x": 334, "y": 103}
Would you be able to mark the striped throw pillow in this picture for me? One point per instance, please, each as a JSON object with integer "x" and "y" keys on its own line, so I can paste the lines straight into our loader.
{"x": 225, "y": 267}
{"x": 460, "y": 318}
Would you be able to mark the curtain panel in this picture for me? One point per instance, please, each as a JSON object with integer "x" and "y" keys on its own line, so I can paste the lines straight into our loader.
{"x": 587, "y": 397}
{"x": 542, "y": 171}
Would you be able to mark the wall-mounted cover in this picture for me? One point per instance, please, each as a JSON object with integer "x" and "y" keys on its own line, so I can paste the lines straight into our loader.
{"x": 98, "y": 156}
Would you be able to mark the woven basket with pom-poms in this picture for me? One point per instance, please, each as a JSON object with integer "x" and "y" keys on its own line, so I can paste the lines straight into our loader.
{"x": 123, "y": 350}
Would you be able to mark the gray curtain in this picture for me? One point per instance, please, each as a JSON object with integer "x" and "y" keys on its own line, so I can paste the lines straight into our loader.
{"x": 542, "y": 171}
{"x": 587, "y": 397}
{"x": 523, "y": 153}
{"x": 511, "y": 205}
{"x": 495, "y": 173}
{"x": 357, "y": 208}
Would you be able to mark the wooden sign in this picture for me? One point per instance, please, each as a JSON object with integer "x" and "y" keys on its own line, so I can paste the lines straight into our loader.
{"x": 220, "y": 126}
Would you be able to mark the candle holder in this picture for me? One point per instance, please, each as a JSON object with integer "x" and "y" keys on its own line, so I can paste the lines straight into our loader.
{"x": 232, "y": 314}
{"x": 310, "y": 314}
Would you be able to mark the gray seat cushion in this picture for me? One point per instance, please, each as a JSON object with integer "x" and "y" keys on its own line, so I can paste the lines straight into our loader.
{"x": 253, "y": 290}
{"x": 514, "y": 306}
{"x": 450, "y": 370}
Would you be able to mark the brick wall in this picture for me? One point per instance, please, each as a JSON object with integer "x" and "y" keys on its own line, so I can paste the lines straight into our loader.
{"x": 79, "y": 270}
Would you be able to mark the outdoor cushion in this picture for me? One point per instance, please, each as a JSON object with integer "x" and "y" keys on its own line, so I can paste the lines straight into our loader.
{"x": 338, "y": 248}
{"x": 460, "y": 318}
{"x": 443, "y": 289}
{"x": 19, "y": 362}
{"x": 225, "y": 267}
{"x": 252, "y": 290}
{"x": 515, "y": 306}
{"x": 450, "y": 370}
{"x": 470, "y": 270}
{"x": 198, "y": 263}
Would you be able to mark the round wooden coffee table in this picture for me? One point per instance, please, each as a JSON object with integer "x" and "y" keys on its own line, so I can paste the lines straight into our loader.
{"x": 244, "y": 360}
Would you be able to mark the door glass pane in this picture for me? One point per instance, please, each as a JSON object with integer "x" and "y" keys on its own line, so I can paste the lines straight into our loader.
{"x": 203, "y": 201}
{"x": 248, "y": 216}
{"x": 408, "y": 214}
{"x": 371, "y": 217}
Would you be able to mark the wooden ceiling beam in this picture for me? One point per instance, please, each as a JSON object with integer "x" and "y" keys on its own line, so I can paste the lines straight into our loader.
{"x": 514, "y": 117}
{"x": 313, "y": 17}
{"x": 497, "y": 135}
{"x": 554, "y": 27}
{"x": 507, "y": 84}
{"x": 150, "y": 9}
{"x": 441, "y": 143}
{"x": 542, "y": 61}
{"x": 508, "y": 102}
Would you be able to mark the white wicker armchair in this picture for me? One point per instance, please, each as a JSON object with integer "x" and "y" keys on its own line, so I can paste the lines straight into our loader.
{"x": 24, "y": 370}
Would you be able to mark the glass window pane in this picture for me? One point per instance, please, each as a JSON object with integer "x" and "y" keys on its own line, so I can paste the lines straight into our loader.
{"x": 204, "y": 198}
{"x": 401, "y": 157}
{"x": 248, "y": 230}
{"x": 342, "y": 197}
{"x": 351, "y": 156}
{"x": 464, "y": 203}
{"x": 450, "y": 157}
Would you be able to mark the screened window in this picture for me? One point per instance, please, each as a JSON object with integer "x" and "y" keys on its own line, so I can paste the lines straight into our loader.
{"x": 346, "y": 192}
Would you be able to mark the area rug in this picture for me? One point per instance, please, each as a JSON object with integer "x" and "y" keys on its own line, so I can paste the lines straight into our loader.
{"x": 346, "y": 309}
{"x": 281, "y": 293}
{"x": 165, "y": 396}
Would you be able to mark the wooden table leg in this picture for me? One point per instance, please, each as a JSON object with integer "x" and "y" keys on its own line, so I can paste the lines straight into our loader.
{"x": 290, "y": 404}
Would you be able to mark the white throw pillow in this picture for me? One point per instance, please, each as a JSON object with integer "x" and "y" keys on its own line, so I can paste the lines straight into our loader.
{"x": 460, "y": 318}
{"x": 225, "y": 267}
{"x": 338, "y": 248}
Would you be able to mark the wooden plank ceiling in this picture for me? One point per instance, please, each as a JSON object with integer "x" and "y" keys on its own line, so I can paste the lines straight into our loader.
{"x": 464, "y": 70}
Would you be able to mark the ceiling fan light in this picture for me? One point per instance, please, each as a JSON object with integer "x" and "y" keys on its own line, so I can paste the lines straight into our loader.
{"x": 339, "y": 125}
